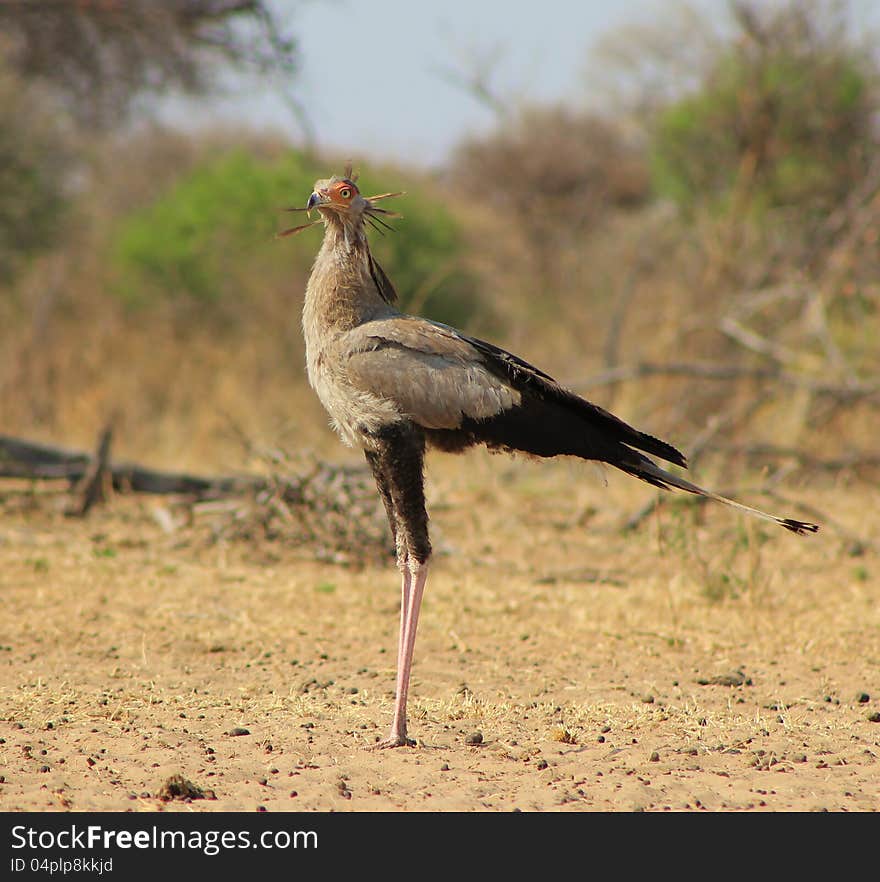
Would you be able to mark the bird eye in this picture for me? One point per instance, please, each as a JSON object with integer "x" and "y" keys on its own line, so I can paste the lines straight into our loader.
{"x": 345, "y": 193}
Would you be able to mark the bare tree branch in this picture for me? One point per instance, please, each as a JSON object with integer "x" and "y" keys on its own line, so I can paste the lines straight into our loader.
{"x": 848, "y": 392}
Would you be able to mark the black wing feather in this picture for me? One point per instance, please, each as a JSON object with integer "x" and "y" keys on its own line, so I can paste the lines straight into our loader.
{"x": 529, "y": 379}
{"x": 381, "y": 281}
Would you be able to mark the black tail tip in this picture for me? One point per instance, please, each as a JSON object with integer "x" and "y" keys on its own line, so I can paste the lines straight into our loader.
{"x": 799, "y": 527}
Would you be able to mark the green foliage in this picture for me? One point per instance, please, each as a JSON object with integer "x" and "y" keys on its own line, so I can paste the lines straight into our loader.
{"x": 783, "y": 117}
{"x": 193, "y": 241}
{"x": 215, "y": 228}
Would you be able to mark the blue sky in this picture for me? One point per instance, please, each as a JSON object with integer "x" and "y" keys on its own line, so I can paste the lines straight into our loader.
{"x": 376, "y": 75}
{"x": 379, "y": 74}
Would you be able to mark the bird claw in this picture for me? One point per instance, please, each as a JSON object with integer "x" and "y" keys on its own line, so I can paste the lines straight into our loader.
{"x": 393, "y": 741}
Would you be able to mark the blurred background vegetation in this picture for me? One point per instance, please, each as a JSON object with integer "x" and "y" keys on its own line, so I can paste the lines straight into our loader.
{"x": 704, "y": 257}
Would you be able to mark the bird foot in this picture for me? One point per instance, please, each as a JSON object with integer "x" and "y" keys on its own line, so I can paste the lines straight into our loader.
{"x": 393, "y": 740}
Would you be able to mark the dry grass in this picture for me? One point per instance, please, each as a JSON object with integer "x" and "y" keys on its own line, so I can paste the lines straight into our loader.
{"x": 576, "y": 651}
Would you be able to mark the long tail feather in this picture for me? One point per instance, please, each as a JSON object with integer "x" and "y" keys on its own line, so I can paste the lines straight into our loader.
{"x": 653, "y": 474}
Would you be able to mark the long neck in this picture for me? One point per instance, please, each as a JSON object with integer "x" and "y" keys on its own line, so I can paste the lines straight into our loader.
{"x": 341, "y": 292}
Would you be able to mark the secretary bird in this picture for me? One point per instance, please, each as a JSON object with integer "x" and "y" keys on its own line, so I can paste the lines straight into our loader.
{"x": 394, "y": 384}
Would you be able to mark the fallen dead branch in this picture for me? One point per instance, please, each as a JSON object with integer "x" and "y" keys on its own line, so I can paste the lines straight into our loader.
{"x": 20, "y": 458}
{"x": 333, "y": 511}
{"x": 91, "y": 488}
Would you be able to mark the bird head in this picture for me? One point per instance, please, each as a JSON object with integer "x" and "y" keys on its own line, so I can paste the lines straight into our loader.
{"x": 338, "y": 197}
{"x": 341, "y": 204}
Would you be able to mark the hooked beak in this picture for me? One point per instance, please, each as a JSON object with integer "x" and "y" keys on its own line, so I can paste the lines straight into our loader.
{"x": 317, "y": 199}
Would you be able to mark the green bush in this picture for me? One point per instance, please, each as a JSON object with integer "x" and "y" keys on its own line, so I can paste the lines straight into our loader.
{"x": 215, "y": 228}
{"x": 784, "y": 117}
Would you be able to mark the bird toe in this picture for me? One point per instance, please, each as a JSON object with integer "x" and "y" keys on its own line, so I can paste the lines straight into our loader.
{"x": 393, "y": 740}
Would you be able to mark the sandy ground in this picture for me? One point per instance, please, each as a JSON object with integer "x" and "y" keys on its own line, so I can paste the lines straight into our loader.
{"x": 698, "y": 662}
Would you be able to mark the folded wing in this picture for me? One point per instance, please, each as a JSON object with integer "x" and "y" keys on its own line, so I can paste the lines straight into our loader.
{"x": 465, "y": 391}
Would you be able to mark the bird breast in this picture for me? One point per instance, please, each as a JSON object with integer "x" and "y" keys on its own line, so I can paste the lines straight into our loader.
{"x": 355, "y": 414}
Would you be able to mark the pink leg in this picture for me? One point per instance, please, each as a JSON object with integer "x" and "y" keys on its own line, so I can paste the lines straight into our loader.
{"x": 405, "y": 586}
{"x": 408, "y": 625}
